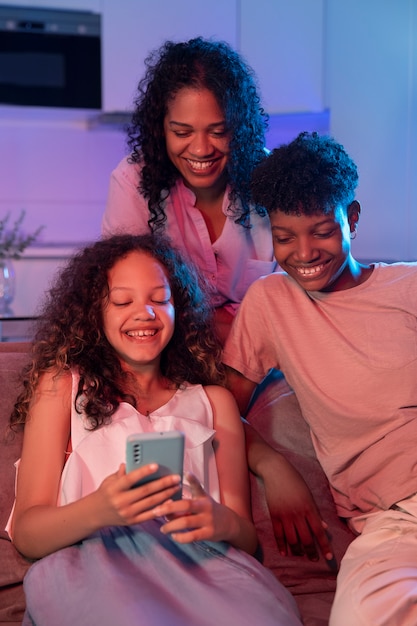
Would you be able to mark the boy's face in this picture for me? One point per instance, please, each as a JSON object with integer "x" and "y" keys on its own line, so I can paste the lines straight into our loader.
{"x": 315, "y": 249}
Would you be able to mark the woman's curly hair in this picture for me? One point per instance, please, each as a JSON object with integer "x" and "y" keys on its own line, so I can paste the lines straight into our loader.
{"x": 70, "y": 329}
{"x": 312, "y": 174}
{"x": 197, "y": 63}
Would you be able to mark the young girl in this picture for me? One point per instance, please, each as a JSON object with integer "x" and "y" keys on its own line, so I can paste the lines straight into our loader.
{"x": 124, "y": 343}
{"x": 197, "y": 132}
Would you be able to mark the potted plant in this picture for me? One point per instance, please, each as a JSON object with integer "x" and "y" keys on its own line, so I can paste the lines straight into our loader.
{"x": 13, "y": 242}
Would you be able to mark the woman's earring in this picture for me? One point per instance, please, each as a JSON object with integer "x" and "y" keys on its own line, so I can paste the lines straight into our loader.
{"x": 353, "y": 235}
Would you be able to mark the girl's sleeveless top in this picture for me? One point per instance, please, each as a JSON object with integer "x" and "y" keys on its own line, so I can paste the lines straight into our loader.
{"x": 98, "y": 453}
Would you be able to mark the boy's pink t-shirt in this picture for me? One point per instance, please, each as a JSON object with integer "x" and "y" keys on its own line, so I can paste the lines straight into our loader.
{"x": 351, "y": 358}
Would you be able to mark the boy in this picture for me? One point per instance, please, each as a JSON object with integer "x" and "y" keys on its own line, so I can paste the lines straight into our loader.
{"x": 345, "y": 336}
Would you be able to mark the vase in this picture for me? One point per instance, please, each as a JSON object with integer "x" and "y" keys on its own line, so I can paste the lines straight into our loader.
{"x": 7, "y": 284}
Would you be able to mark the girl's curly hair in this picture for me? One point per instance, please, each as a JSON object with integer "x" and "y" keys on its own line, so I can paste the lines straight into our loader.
{"x": 70, "y": 329}
{"x": 312, "y": 174}
{"x": 197, "y": 63}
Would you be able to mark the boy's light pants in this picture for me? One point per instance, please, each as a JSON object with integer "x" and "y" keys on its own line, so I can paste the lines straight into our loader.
{"x": 377, "y": 582}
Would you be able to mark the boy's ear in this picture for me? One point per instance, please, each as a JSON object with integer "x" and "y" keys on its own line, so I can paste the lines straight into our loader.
{"x": 353, "y": 213}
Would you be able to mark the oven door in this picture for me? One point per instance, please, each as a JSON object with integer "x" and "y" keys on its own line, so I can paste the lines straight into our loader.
{"x": 50, "y": 59}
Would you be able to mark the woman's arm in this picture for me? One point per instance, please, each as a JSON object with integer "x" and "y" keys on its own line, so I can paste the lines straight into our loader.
{"x": 39, "y": 526}
{"x": 126, "y": 209}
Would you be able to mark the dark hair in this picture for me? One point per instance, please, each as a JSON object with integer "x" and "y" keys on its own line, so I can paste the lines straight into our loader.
{"x": 70, "y": 328}
{"x": 312, "y": 174}
{"x": 198, "y": 63}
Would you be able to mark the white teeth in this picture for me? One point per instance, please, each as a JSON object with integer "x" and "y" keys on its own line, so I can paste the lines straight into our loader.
{"x": 141, "y": 333}
{"x": 200, "y": 165}
{"x": 309, "y": 271}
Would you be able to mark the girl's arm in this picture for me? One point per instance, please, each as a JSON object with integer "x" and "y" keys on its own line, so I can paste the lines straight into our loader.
{"x": 39, "y": 526}
{"x": 232, "y": 466}
{"x": 203, "y": 518}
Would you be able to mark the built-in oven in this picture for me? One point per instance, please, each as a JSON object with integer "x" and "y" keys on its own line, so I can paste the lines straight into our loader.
{"x": 50, "y": 57}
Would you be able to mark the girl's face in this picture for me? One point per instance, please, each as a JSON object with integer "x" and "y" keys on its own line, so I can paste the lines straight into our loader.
{"x": 197, "y": 142}
{"x": 315, "y": 249}
{"x": 139, "y": 316}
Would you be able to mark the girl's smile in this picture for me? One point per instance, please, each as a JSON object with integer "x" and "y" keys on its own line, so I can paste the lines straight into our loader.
{"x": 139, "y": 317}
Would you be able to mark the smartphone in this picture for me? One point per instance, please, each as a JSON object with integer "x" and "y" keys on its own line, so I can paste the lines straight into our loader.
{"x": 165, "y": 448}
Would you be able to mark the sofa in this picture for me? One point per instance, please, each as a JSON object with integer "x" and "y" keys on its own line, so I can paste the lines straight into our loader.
{"x": 277, "y": 416}
{"x": 13, "y": 566}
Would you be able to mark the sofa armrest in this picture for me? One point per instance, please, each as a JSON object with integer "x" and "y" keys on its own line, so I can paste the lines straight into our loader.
{"x": 13, "y": 567}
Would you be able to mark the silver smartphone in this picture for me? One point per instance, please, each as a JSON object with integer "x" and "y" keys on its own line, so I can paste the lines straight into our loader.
{"x": 164, "y": 448}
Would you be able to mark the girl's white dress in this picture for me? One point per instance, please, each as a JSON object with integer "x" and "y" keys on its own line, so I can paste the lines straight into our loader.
{"x": 126, "y": 576}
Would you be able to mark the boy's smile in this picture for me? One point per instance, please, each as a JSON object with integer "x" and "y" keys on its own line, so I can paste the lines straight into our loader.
{"x": 315, "y": 249}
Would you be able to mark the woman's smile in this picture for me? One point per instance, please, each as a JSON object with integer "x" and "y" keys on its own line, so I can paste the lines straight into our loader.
{"x": 196, "y": 139}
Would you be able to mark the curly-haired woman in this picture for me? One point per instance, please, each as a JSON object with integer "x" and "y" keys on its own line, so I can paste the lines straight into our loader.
{"x": 196, "y": 134}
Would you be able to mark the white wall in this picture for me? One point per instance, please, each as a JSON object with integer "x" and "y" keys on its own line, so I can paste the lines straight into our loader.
{"x": 133, "y": 28}
{"x": 371, "y": 90}
{"x": 58, "y": 172}
{"x": 284, "y": 43}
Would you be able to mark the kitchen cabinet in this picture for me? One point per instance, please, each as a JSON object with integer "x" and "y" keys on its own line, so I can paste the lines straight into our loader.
{"x": 282, "y": 41}
{"x": 133, "y": 28}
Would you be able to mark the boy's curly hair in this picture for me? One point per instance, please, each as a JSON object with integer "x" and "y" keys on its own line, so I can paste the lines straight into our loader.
{"x": 70, "y": 329}
{"x": 312, "y": 174}
{"x": 197, "y": 63}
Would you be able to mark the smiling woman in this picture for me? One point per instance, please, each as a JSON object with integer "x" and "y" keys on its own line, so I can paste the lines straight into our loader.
{"x": 197, "y": 144}
{"x": 196, "y": 134}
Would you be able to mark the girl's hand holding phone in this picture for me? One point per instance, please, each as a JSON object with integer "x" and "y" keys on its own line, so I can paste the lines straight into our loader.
{"x": 121, "y": 503}
{"x": 197, "y": 518}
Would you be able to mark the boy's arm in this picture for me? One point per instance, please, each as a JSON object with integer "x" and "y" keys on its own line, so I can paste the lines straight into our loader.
{"x": 296, "y": 520}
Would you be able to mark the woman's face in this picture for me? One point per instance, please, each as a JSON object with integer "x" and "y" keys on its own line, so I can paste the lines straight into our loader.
{"x": 139, "y": 316}
{"x": 197, "y": 141}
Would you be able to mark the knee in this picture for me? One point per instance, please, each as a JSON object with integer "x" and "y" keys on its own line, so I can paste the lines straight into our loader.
{"x": 381, "y": 600}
